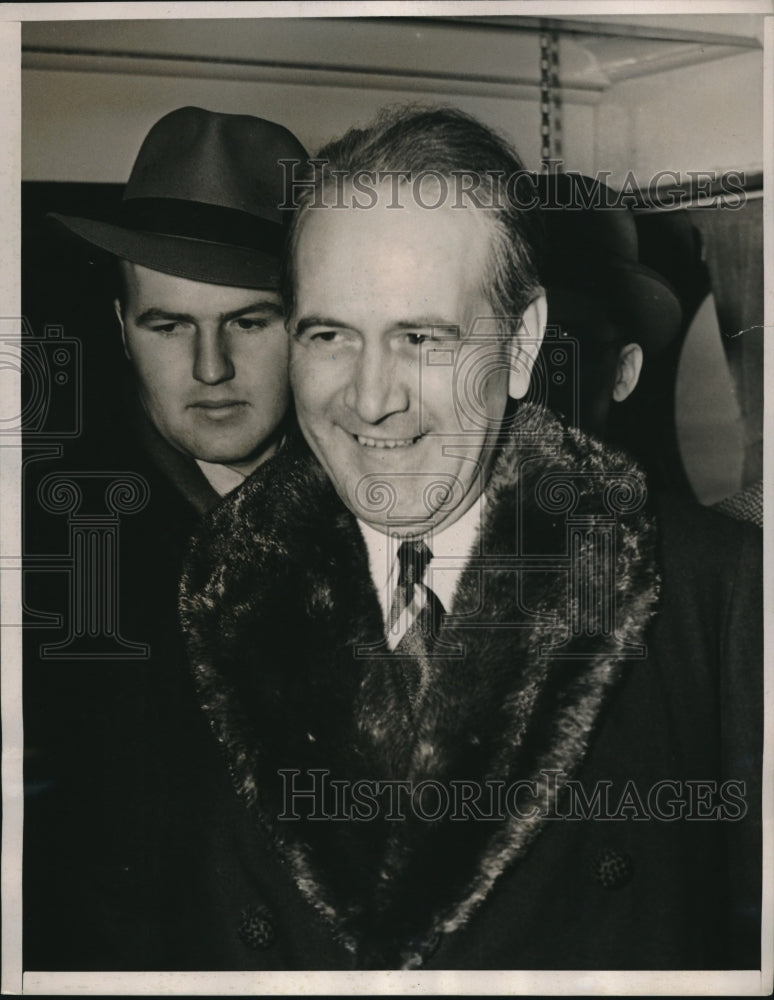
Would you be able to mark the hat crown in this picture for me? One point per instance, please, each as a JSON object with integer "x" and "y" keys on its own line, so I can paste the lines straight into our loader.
{"x": 218, "y": 159}
{"x": 592, "y": 268}
{"x": 586, "y": 221}
{"x": 205, "y": 200}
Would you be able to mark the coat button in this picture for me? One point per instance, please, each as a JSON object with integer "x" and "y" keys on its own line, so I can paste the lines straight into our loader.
{"x": 256, "y": 928}
{"x": 613, "y": 869}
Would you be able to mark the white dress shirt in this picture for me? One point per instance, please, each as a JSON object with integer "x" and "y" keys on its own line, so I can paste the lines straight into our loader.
{"x": 222, "y": 478}
{"x": 451, "y": 548}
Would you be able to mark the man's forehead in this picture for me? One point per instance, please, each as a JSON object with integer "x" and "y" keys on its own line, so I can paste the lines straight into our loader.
{"x": 147, "y": 283}
{"x": 384, "y": 243}
{"x": 408, "y": 204}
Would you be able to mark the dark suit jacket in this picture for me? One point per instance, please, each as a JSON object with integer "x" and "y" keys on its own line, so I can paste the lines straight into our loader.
{"x": 112, "y": 744}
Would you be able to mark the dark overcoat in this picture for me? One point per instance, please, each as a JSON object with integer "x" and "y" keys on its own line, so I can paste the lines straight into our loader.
{"x": 600, "y": 672}
{"x": 113, "y": 743}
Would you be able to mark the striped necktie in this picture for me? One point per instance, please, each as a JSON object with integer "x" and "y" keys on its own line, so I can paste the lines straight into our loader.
{"x": 424, "y": 612}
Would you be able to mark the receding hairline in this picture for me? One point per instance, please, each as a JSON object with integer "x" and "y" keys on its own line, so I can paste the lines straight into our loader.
{"x": 438, "y": 141}
{"x": 486, "y": 220}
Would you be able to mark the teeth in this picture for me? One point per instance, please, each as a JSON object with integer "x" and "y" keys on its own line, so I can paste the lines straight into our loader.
{"x": 369, "y": 442}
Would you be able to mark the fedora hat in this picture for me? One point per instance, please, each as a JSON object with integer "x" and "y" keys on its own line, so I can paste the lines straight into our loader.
{"x": 204, "y": 200}
{"x": 592, "y": 266}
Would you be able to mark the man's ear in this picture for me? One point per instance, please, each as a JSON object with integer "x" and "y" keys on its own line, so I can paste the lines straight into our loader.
{"x": 628, "y": 373}
{"x": 525, "y": 345}
{"x": 120, "y": 314}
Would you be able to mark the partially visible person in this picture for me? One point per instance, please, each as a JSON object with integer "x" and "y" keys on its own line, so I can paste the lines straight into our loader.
{"x": 113, "y": 860}
{"x": 622, "y": 290}
{"x": 607, "y": 312}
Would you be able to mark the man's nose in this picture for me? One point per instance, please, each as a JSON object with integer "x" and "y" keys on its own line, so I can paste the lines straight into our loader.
{"x": 212, "y": 357}
{"x": 377, "y": 387}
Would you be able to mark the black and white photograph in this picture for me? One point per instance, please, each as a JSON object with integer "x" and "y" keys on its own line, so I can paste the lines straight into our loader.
{"x": 382, "y": 442}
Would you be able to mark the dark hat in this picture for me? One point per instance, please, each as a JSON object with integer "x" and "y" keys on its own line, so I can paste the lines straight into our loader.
{"x": 592, "y": 265}
{"x": 671, "y": 244}
{"x": 203, "y": 200}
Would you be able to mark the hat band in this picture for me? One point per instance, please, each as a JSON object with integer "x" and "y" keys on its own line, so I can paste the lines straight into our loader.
{"x": 198, "y": 220}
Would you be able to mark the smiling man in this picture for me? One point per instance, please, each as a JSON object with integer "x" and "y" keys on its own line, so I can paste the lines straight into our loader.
{"x": 456, "y": 656}
{"x": 376, "y": 375}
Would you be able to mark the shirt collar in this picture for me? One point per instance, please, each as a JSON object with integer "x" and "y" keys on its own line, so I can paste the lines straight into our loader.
{"x": 222, "y": 478}
{"x": 451, "y": 548}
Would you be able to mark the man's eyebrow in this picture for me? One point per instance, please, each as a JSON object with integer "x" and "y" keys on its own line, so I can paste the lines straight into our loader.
{"x": 420, "y": 323}
{"x": 269, "y": 306}
{"x": 427, "y": 323}
{"x": 306, "y": 322}
{"x": 153, "y": 314}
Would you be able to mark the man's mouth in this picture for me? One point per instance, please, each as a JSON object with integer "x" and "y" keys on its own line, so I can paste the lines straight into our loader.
{"x": 371, "y": 442}
{"x": 219, "y": 409}
{"x": 217, "y": 404}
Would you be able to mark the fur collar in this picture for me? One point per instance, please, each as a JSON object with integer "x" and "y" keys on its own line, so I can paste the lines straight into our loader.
{"x": 285, "y": 638}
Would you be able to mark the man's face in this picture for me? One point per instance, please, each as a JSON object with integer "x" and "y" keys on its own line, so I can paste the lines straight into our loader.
{"x": 398, "y": 393}
{"x": 211, "y": 363}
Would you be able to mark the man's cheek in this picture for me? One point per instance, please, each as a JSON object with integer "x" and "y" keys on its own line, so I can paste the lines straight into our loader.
{"x": 435, "y": 399}
{"x": 312, "y": 394}
{"x": 306, "y": 403}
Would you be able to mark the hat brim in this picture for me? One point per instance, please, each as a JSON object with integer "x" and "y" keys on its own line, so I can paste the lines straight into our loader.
{"x": 196, "y": 260}
{"x": 642, "y": 307}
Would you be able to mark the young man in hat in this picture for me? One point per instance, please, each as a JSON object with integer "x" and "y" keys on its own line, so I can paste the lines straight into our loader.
{"x": 486, "y": 703}
{"x": 198, "y": 239}
{"x": 195, "y": 250}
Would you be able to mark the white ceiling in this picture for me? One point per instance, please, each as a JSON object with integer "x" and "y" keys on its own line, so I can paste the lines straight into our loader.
{"x": 487, "y": 55}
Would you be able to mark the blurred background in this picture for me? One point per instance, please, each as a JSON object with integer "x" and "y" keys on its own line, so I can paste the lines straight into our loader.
{"x": 667, "y": 101}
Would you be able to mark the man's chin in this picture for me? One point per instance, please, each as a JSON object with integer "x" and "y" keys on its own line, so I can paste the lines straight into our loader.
{"x": 377, "y": 504}
{"x": 243, "y": 464}
{"x": 220, "y": 454}
{"x": 409, "y": 524}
